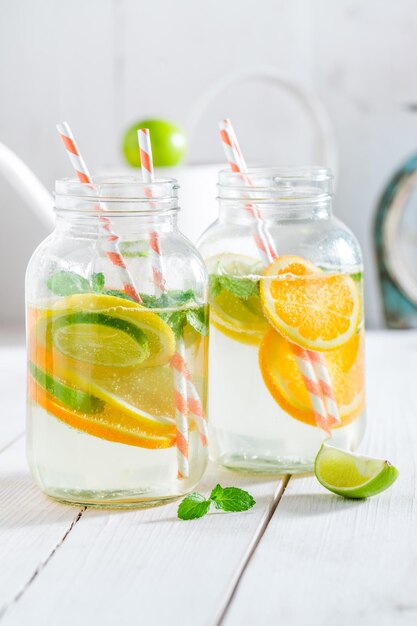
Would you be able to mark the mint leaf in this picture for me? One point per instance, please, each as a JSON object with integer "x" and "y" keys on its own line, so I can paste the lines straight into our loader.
{"x": 240, "y": 287}
{"x": 67, "y": 283}
{"x": 176, "y": 321}
{"x": 170, "y": 298}
{"x": 197, "y": 318}
{"x": 134, "y": 254}
{"x": 118, "y": 294}
{"x": 181, "y": 297}
{"x": 127, "y": 249}
{"x": 231, "y": 499}
{"x": 151, "y": 302}
{"x": 97, "y": 281}
{"x": 357, "y": 277}
{"x": 193, "y": 506}
{"x": 215, "y": 285}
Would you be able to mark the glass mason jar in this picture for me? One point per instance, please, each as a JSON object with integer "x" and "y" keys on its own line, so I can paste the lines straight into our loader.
{"x": 286, "y": 362}
{"x": 113, "y": 331}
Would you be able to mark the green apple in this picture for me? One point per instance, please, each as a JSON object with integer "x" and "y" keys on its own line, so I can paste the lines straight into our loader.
{"x": 168, "y": 143}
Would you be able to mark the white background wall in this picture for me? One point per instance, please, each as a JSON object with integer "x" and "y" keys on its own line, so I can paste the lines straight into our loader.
{"x": 101, "y": 64}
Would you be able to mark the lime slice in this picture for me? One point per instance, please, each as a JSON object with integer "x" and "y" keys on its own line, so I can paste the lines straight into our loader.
{"x": 351, "y": 475}
{"x": 74, "y": 399}
{"x": 108, "y": 331}
{"x": 100, "y": 339}
{"x": 234, "y": 265}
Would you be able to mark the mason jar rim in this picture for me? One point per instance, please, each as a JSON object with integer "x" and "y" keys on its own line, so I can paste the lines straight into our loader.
{"x": 118, "y": 188}
{"x": 275, "y": 183}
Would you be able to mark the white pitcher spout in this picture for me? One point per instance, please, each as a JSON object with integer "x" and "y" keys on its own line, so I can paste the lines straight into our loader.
{"x": 27, "y": 185}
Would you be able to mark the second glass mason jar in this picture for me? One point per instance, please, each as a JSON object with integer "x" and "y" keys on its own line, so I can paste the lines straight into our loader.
{"x": 286, "y": 364}
{"x": 117, "y": 345}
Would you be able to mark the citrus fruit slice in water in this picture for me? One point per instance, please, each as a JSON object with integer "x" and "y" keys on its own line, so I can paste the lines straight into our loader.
{"x": 235, "y": 305}
{"x": 152, "y": 411}
{"x": 316, "y": 310}
{"x": 107, "y": 331}
{"x": 283, "y": 378}
{"x": 351, "y": 475}
{"x": 72, "y": 398}
{"x": 100, "y": 338}
{"x": 109, "y": 424}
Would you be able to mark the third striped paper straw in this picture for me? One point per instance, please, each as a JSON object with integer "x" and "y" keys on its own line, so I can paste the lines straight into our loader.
{"x": 312, "y": 365}
{"x": 186, "y": 396}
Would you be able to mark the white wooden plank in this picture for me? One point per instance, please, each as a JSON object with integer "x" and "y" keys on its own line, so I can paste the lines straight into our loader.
{"x": 31, "y": 526}
{"x": 12, "y": 394}
{"x": 324, "y": 560}
{"x": 146, "y": 566}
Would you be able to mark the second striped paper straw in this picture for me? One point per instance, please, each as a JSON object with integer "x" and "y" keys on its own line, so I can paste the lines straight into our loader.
{"x": 312, "y": 365}
{"x": 186, "y": 396}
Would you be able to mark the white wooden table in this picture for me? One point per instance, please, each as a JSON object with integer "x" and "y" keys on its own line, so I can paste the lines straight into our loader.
{"x": 300, "y": 556}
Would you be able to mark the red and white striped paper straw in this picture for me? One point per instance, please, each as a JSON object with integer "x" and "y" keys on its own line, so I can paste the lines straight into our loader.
{"x": 146, "y": 160}
{"x": 111, "y": 246}
{"x": 186, "y": 396}
{"x": 312, "y": 365}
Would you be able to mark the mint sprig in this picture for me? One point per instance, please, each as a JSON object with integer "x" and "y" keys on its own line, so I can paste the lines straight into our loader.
{"x": 66, "y": 283}
{"x": 97, "y": 281}
{"x": 176, "y": 320}
{"x": 193, "y": 506}
{"x": 198, "y": 319}
{"x": 229, "y": 499}
{"x": 132, "y": 249}
{"x": 239, "y": 286}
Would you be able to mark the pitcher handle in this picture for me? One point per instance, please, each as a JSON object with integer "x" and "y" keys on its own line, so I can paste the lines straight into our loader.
{"x": 308, "y": 99}
{"x": 27, "y": 185}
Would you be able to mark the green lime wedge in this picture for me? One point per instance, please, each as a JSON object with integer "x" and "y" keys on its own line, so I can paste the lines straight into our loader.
{"x": 74, "y": 399}
{"x": 351, "y": 475}
{"x": 100, "y": 339}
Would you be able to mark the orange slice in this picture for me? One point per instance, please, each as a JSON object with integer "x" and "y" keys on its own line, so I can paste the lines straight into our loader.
{"x": 110, "y": 424}
{"x": 316, "y": 310}
{"x": 283, "y": 379}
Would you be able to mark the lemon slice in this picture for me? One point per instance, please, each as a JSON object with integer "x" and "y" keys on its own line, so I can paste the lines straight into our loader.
{"x": 240, "y": 318}
{"x": 92, "y": 302}
{"x": 106, "y": 331}
{"x": 351, "y": 475}
{"x": 108, "y": 424}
